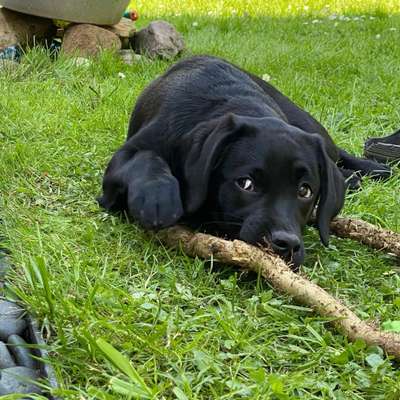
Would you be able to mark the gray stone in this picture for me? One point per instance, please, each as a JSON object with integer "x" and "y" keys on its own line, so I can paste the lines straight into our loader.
{"x": 158, "y": 39}
{"x": 10, "y": 327}
{"x": 89, "y": 40}
{"x": 21, "y": 352}
{"x": 10, "y": 310}
{"x": 130, "y": 57}
{"x": 18, "y": 380}
{"x": 22, "y": 29}
{"x": 6, "y": 361}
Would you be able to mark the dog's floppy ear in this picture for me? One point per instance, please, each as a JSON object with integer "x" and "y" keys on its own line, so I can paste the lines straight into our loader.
{"x": 206, "y": 143}
{"x": 332, "y": 192}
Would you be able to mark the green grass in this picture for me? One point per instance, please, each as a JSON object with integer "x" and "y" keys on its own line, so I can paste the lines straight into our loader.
{"x": 106, "y": 292}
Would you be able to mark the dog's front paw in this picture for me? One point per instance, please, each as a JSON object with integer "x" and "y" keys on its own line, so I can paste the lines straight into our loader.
{"x": 156, "y": 204}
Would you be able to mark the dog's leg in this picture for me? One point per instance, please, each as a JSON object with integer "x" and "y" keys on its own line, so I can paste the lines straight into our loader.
{"x": 363, "y": 166}
{"x": 352, "y": 179}
{"x": 145, "y": 187}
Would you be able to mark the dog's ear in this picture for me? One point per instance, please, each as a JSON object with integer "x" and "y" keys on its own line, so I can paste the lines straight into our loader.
{"x": 332, "y": 192}
{"x": 206, "y": 143}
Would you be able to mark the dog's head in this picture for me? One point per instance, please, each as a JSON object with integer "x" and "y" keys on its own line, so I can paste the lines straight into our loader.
{"x": 260, "y": 179}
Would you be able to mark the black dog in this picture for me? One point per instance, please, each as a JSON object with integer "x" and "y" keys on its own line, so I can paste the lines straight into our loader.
{"x": 211, "y": 143}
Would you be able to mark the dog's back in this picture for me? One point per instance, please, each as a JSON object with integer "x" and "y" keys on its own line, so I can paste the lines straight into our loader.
{"x": 197, "y": 87}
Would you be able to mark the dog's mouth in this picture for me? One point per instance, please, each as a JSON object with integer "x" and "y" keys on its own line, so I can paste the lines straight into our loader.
{"x": 292, "y": 258}
{"x": 295, "y": 260}
{"x": 233, "y": 230}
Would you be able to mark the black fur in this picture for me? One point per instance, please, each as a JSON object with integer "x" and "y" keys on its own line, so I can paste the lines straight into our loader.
{"x": 205, "y": 129}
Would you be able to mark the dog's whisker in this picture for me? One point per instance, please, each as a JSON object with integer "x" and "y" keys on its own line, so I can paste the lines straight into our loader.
{"x": 266, "y": 244}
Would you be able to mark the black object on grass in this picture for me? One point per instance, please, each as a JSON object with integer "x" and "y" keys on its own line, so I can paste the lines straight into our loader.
{"x": 385, "y": 149}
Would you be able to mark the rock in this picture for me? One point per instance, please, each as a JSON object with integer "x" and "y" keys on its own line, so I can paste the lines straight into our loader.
{"x": 10, "y": 327}
{"x": 22, "y": 354}
{"x": 6, "y": 361}
{"x": 125, "y": 30}
{"x": 130, "y": 57}
{"x": 23, "y": 29}
{"x": 89, "y": 40}
{"x": 10, "y": 310}
{"x": 18, "y": 380}
{"x": 158, "y": 39}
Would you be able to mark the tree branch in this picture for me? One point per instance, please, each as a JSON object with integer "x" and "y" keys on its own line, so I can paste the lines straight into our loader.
{"x": 368, "y": 234}
{"x": 284, "y": 279}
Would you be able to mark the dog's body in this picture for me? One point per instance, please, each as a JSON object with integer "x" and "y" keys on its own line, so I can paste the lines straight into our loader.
{"x": 209, "y": 142}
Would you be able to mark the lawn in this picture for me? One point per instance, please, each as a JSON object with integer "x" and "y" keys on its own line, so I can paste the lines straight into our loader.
{"x": 192, "y": 329}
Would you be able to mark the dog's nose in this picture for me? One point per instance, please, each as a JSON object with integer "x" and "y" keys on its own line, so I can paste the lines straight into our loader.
{"x": 285, "y": 243}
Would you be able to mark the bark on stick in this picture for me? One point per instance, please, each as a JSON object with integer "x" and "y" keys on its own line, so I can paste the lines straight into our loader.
{"x": 368, "y": 234}
{"x": 283, "y": 279}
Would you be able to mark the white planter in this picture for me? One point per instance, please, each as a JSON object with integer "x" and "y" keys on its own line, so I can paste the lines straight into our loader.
{"x": 100, "y": 12}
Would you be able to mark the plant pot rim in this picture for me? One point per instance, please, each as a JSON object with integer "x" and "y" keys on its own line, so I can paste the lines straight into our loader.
{"x": 99, "y": 12}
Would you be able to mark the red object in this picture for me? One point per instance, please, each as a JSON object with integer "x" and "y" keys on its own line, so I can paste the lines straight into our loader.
{"x": 131, "y": 14}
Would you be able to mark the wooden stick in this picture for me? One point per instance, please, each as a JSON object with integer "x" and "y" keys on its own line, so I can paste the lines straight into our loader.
{"x": 282, "y": 278}
{"x": 367, "y": 233}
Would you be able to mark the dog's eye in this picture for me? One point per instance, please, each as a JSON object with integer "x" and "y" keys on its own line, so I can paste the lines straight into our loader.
{"x": 246, "y": 184}
{"x": 305, "y": 191}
